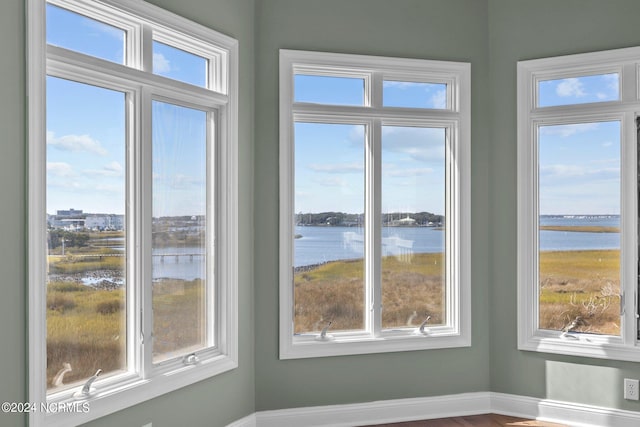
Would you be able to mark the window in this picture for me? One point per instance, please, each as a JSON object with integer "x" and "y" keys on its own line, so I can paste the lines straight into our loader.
{"x": 132, "y": 206}
{"x": 374, "y": 204}
{"x": 577, "y": 204}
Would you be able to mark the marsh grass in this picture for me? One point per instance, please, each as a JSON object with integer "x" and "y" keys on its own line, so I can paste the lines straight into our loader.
{"x": 580, "y": 283}
{"x": 580, "y": 228}
{"x": 178, "y": 315}
{"x": 86, "y": 327}
{"x": 331, "y": 292}
{"x": 72, "y": 264}
{"x": 412, "y": 289}
{"x": 82, "y": 336}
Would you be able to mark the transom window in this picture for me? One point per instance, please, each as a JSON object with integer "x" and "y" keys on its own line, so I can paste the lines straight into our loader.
{"x": 577, "y": 204}
{"x": 132, "y": 205}
{"x": 374, "y": 213}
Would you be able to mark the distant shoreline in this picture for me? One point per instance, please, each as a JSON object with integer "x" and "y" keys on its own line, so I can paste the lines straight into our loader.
{"x": 580, "y": 228}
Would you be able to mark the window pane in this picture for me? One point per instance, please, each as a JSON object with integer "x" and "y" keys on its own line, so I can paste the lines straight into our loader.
{"x": 86, "y": 146}
{"x": 179, "y": 65}
{"x": 179, "y": 249}
{"x": 579, "y": 178}
{"x": 579, "y": 90}
{"x": 413, "y": 222}
{"x": 328, "y": 90}
{"x": 414, "y": 95}
{"x": 76, "y": 32}
{"x": 329, "y": 227}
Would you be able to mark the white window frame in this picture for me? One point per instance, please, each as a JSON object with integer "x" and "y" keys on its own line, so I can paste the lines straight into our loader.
{"x": 455, "y": 118}
{"x": 143, "y": 379}
{"x": 626, "y": 62}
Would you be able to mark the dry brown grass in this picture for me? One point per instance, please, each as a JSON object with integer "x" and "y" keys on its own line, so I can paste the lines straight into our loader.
{"x": 79, "y": 334}
{"x": 412, "y": 289}
{"x": 581, "y": 228}
{"x": 582, "y": 284}
{"x": 178, "y": 313}
{"x": 86, "y": 326}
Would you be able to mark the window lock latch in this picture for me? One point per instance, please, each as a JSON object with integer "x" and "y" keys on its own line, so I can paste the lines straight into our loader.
{"x": 191, "y": 359}
{"x": 323, "y": 334}
{"x": 88, "y": 391}
{"x": 422, "y": 329}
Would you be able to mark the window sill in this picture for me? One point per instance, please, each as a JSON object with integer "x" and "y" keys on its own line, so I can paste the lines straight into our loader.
{"x": 301, "y": 347}
{"x": 129, "y": 392}
{"x": 582, "y": 345}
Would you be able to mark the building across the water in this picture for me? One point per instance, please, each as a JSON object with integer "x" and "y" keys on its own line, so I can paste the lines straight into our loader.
{"x": 75, "y": 220}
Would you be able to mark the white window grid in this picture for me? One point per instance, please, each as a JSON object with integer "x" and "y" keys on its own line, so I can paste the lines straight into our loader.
{"x": 455, "y": 119}
{"x": 626, "y": 63}
{"x": 142, "y": 23}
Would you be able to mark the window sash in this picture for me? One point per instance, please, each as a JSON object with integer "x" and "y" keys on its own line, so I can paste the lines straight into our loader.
{"x": 373, "y": 116}
{"x": 142, "y": 380}
{"x": 530, "y": 118}
{"x": 138, "y": 185}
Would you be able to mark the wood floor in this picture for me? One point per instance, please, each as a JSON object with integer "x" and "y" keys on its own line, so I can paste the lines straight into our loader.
{"x": 488, "y": 420}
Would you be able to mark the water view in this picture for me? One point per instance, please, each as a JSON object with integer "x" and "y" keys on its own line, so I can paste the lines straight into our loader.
{"x": 320, "y": 244}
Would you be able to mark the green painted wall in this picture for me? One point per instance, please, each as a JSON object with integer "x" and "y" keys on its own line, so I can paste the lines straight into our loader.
{"x": 441, "y": 29}
{"x": 491, "y": 34}
{"x": 13, "y": 362}
{"x": 519, "y": 30}
{"x": 215, "y": 402}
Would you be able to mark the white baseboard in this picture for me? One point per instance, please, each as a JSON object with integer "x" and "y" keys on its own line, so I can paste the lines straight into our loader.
{"x": 426, "y": 408}
{"x": 248, "y": 421}
{"x": 386, "y": 411}
{"x": 573, "y": 414}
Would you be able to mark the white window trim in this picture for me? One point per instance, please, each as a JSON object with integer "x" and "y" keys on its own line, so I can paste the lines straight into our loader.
{"x": 626, "y": 62}
{"x": 455, "y": 118}
{"x": 142, "y": 381}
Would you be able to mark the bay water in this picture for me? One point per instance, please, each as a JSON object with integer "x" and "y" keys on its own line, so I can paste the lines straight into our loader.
{"x": 319, "y": 244}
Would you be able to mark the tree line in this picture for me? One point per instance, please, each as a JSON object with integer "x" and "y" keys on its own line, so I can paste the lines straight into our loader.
{"x": 350, "y": 220}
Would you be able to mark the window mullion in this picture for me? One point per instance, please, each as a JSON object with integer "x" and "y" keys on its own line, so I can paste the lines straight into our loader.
{"x": 373, "y": 227}
{"x": 146, "y": 49}
{"x": 629, "y": 227}
{"x": 144, "y": 221}
{"x": 212, "y": 310}
{"x": 135, "y": 323}
{"x": 375, "y": 90}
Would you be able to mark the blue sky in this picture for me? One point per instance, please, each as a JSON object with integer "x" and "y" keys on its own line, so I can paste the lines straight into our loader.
{"x": 330, "y": 174}
{"x": 86, "y": 129}
{"x": 579, "y": 90}
{"x": 579, "y": 164}
{"x": 580, "y": 169}
{"x": 329, "y": 158}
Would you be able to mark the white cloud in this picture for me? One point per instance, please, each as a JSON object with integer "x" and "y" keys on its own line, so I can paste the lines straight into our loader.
{"x": 109, "y": 188}
{"x": 337, "y": 167}
{"x": 400, "y": 85}
{"x": 613, "y": 84}
{"x": 76, "y": 143}
{"x": 439, "y": 99}
{"x": 60, "y": 169}
{"x": 100, "y": 28}
{"x": 568, "y": 130}
{"x": 420, "y": 144}
{"x": 407, "y": 172}
{"x": 181, "y": 181}
{"x": 571, "y": 87}
{"x": 571, "y": 171}
{"x": 561, "y": 170}
{"x": 161, "y": 65}
{"x": 111, "y": 169}
{"x": 333, "y": 182}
